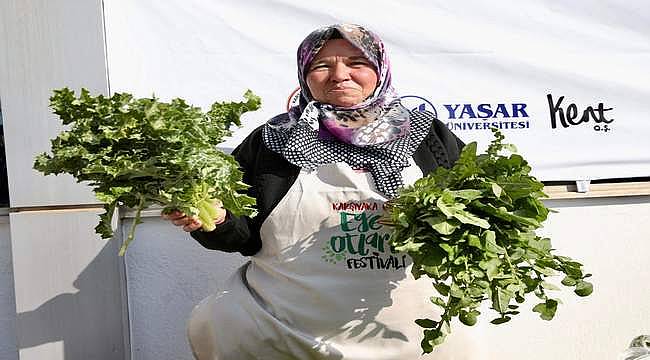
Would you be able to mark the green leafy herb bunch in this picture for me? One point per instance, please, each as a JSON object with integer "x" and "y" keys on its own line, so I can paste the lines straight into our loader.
{"x": 137, "y": 152}
{"x": 471, "y": 229}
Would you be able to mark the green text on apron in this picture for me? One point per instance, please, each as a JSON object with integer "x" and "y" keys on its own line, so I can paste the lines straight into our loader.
{"x": 325, "y": 285}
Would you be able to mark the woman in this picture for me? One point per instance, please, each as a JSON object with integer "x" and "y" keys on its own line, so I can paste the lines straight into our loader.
{"x": 323, "y": 282}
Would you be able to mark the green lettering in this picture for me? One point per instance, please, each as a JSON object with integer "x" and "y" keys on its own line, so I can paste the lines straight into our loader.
{"x": 363, "y": 222}
{"x": 344, "y": 221}
{"x": 348, "y": 238}
{"x": 337, "y": 243}
{"x": 362, "y": 245}
{"x": 375, "y": 241}
{"x": 373, "y": 222}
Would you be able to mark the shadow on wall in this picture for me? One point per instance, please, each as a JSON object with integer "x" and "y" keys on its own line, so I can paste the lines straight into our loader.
{"x": 76, "y": 320}
{"x": 8, "y": 349}
{"x": 4, "y": 184}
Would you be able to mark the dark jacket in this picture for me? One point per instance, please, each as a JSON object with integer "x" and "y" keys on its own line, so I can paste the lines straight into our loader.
{"x": 271, "y": 175}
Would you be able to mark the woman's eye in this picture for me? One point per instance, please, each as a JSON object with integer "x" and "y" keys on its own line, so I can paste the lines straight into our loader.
{"x": 318, "y": 67}
{"x": 359, "y": 63}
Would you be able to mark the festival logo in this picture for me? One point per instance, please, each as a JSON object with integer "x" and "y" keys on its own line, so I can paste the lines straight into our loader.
{"x": 565, "y": 115}
{"x": 362, "y": 241}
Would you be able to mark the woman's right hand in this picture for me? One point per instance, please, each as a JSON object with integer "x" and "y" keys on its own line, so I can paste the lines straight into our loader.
{"x": 193, "y": 223}
{"x": 188, "y": 223}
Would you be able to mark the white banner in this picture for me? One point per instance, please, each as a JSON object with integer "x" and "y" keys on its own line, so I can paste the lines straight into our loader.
{"x": 567, "y": 82}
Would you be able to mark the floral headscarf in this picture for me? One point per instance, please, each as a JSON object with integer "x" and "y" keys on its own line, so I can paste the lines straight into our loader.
{"x": 384, "y": 117}
{"x": 316, "y": 133}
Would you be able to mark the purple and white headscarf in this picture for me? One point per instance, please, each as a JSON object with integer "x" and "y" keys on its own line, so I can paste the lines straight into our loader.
{"x": 316, "y": 133}
{"x": 384, "y": 117}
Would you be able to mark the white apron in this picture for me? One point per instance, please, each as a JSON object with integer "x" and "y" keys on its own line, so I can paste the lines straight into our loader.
{"x": 325, "y": 284}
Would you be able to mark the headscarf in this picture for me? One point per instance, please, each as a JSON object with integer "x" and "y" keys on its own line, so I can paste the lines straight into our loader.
{"x": 316, "y": 133}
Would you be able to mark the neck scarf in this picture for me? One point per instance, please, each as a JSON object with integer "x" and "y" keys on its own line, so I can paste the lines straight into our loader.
{"x": 316, "y": 133}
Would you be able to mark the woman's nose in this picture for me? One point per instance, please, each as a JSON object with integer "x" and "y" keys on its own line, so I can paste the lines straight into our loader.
{"x": 340, "y": 72}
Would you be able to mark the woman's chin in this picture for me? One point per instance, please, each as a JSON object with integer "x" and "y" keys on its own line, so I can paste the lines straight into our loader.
{"x": 344, "y": 102}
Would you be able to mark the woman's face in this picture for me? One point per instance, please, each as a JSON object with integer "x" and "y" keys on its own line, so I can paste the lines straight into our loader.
{"x": 341, "y": 75}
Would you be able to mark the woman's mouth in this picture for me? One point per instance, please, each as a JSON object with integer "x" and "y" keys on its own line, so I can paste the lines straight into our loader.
{"x": 343, "y": 89}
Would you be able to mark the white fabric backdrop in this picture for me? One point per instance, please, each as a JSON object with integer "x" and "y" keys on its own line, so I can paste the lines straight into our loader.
{"x": 451, "y": 55}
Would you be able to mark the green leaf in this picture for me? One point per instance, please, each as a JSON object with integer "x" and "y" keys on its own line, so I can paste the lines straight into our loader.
{"x": 569, "y": 281}
{"x": 431, "y": 339}
{"x": 475, "y": 241}
{"x": 543, "y": 244}
{"x": 409, "y": 247}
{"x": 475, "y": 291}
{"x": 426, "y": 346}
{"x": 501, "y": 320}
{"x": 443, "y": 289}
{"x": 426, "y": 323}
{"x": 438, "y": 301}
{"x": 491, "y": 267}
{"x": 497, "y": 190}
{"x": 450, "y": 250}
{"x": 105, "y": 228}
{"x": 544, "y": 270}
{"x": 549, "y": 286}
{"x": 501, "y": 299}
{"x": 448, "y": 205}
{"x": 403, "y": 220}
{"x": 468, "y": 218}
{"x": 442, "y": 225}
{"x": 503, "y": 214}
{"x": 467, "y": 194}
{"x": 430, "y": 255}
{"x": 468, "y": 318}
{"x": 584, "y": 288}
{"x": 546, "y": 309}
{"x": 491, "y": 244}
{"x": 456, "y": 291}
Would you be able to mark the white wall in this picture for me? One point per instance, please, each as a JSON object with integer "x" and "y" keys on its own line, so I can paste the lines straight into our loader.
{"x": 45, "y": 45}
{"x": 611, "y": 238}
{"x": 168, "y": 273}
{"x": 67, "y": 284}
{"x": 8, "y": 349}
{"x": 68, "y": 287}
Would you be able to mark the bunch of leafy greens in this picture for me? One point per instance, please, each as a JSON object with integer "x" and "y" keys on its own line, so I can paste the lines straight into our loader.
{"x": 471, "y": 229}
{"x": 139, "y": 152}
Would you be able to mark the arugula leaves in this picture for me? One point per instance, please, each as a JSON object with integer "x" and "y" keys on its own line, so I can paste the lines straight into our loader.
{"x": 471, "y": 229}
{"x": 138, "y": 152}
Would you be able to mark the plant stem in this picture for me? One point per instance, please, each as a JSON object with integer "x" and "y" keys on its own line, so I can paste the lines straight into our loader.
{"x": 136, "y": 222}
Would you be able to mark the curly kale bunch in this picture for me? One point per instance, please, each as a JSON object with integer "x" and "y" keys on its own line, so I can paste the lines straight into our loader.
{"x": 139, "y": 152}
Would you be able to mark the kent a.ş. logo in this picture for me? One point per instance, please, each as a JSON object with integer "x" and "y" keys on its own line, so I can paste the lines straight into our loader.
{"x": 569, "y": 115}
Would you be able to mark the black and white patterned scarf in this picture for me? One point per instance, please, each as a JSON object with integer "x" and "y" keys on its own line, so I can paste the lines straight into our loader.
{"x": 304, "y": 148}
